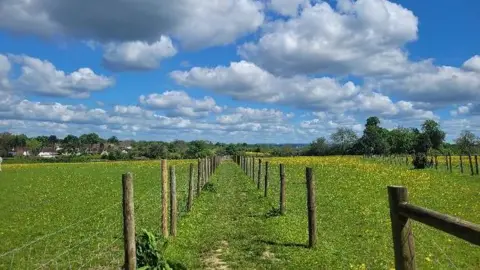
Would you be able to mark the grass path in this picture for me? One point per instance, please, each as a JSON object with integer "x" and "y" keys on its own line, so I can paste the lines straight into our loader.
{"x": 226, "y": 228}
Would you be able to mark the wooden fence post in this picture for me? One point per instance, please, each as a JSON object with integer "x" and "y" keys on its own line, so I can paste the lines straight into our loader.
{"x": 461, "y": 164}
{"x": 436, "y": 162}
{"x": 406, "y": 160}
{"x": 282, "y": 189}
{"x": 205, "y": 172}
{"x": 129, "y": 222}
{"x": 253, "y": 169}
{"x": 403, "y": 241}
{"x": 259, "y": 174}
{"x": 471, "y": 163}
{"x": 190, "y": 189}
{"x": 476, "y": 164}
{"x": 265, "y": 191}
{"x": 450, "y": 162}
{"x": 164, "y": 198}
{"x": 446, "y": 161}
{"x": 173, "y": 202}
{"x": 199, "y": 177}
{"x": 312, "y": 208}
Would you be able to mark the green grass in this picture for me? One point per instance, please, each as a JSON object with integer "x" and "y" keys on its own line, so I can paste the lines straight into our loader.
{"x": 76, "y": 208}
{"x": 234, "y": 224}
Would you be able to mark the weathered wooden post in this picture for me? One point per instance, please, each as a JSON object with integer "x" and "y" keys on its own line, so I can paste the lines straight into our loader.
{"x": 436, "y": 162}
{"x": 403, "y": 241}
{"x": 312, "y": 208}
{"x": 199, "y": 176}
{"x": 253, "y": 169}
{"x": 265, "y": 191}
{"x": 164, "y": 198}
{"x": 471, "y": 163}
{"x": 128, "y": 222}
{"x": 259, "y": 174}
{"x": 173, "y": 202}
{"x": 476, "y": 164}
{"x": 461, "y": 163}
{"x": 190, "y": 189}
{"x": 450, "y": 162}
{"x": 282, "y": 189}
{"x": 406, "y": 160}
{"x": 446, "y": 161}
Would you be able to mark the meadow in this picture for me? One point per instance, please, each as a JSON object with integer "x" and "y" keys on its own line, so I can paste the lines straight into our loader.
{"x": 69, "y": 215}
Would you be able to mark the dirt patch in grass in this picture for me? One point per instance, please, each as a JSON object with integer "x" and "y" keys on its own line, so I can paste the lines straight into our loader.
{"x": 213, "y": 260}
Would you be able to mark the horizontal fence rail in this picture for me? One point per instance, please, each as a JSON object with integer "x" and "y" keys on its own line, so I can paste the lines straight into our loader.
{"x": 401, "y": 214}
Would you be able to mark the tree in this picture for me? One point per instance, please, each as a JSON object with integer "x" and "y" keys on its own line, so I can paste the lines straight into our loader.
{"x": 319, "y": 147}
{"x": 35, "y": 146}
{"x": 6, "y": 143}
{"x": 197, "y": 149}
{"x": 434, "y": 133}
{"x": 52, "y": 140}
{"x": 70, "y": 144}
{"x": 466, "y": 142}
{"x": 113, "y": 140}
{"x": 344, "y": 138}
{"x": 89, "y": 139}
{"x": 401, "y": 140}
{"x": 20, "y": 140}
{"x": 374, "y": 139}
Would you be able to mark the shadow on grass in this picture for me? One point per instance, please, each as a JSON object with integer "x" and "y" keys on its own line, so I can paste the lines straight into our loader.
{"x": 273, "y": 243}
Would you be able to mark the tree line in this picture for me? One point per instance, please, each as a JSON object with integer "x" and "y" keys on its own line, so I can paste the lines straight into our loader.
{"x": 375, "y": 140}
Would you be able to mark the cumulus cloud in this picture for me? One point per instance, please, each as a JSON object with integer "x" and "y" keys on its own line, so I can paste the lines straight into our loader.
{"x": 249, "y": 115}
{"x": 179, "y": 103}
{"x": 439, "y": 85}
{"x": 287, "y": 7}
{"x": 361, "y": 37}
{"x": 472, "y": 64}
{"x": 137, "y": 55}
{"x": 195, "y": 23}
{"x": 43, "y": 78}
{"x": 246, "y": 81}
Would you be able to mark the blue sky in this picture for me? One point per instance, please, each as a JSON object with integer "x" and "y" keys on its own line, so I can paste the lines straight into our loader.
{"x": 270, "y": 71}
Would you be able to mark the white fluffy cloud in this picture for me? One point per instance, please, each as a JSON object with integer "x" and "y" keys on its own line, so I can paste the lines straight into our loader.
{"x": 249, "y": 115}
{"x": 472, "y": 64}
{"x": 361, "y": 37}
{"x": 179, "y": 103}
{"x": 287, "y": 7}
{"x": 137, "y": 55}
{"x": 441, "y": 85}
{"x": 194, "y": 23}
{"x": 246, "y": 81}
{"x": 41, "y": 77}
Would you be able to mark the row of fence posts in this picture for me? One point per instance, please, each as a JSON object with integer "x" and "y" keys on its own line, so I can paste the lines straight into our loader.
{"x": 401, "y": 214}
{"x": 247, "y": 164}
{"x": 205, "y": 169}
{"x": 433, "y": 160}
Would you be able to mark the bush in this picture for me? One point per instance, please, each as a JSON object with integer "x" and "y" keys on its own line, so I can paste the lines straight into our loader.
{"x": 420, "y": 161}
{"x": 150, "y": 256}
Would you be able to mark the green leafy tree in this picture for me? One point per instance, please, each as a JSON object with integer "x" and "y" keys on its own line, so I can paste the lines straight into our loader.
{"x": 113, "y": 140}
{"x": 52, "y": 140}
{"x": 374, "y": 139}
{"x": 35, "y": 146}
{"x": 344, "y": 139}
{"x": 6, "y": 143}
{"x": 401, "y": 140}
{"x": 70, "y": 144}
{"x": 466, "y": 142}
{"x": 319, "y": 147}
{"x": 434, "y": 133}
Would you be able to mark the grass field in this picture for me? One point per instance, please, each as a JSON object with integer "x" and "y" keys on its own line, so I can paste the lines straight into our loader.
{"x": 230, "y": 226}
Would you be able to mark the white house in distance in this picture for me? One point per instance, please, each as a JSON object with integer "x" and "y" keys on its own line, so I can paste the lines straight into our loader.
{"x": 48, "y": 152}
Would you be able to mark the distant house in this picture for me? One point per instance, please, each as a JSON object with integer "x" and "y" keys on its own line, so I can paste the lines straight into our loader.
{"x": 48, "y": 152}
{"x": 125, "y": 145}
{"x": 96, "y": 148}
{"x": 20, "y": 152}
{"x": 104, "y": 153}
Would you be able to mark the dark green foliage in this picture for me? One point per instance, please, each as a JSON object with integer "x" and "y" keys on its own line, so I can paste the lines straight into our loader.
{"x": 210, "y": 187}
{"x": 420, "y": 161}
{"x": 151, "y": 255}
{"x": 274, "y": 212}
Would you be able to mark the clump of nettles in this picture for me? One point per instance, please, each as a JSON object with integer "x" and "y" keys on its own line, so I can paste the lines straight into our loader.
{"x": 151, "y": 255}
{"x": 274, "y": 212}
{"x": 209, "y": 187}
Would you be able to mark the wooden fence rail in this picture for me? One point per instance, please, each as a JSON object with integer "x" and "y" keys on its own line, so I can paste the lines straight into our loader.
{"x": 401, "y": 214}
